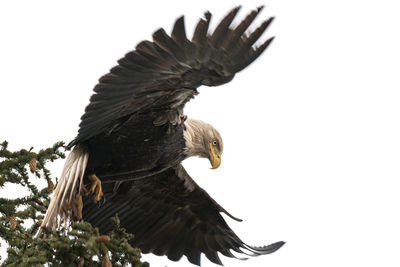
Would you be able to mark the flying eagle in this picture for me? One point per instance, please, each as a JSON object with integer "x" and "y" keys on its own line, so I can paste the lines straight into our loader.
{"x": 134, "y": 136}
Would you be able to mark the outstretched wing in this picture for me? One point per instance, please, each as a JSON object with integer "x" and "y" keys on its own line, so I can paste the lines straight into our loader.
{"x": 169, "y": 214}
{"x": 163, "y": 75}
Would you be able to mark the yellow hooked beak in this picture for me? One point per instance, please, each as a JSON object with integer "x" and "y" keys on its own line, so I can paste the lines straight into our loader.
{"x": 214, "y": 158}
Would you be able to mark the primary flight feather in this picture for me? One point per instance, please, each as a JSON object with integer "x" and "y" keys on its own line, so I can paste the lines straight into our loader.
{"x": 134, "y": 136}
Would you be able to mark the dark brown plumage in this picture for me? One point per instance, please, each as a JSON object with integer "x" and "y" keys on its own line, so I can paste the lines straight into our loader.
{"x": 134, "y": 136}
{"x": 170, "y": 215}
{"x": 160, "y": 77}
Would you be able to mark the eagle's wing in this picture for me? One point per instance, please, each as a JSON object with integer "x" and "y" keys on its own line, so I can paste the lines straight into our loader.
{"x": 163, "y": 75}
{"x": 169, "y": 214}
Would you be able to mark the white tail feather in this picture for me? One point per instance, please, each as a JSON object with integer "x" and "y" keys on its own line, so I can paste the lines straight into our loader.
{"x": 77, "y": 175}
{"x": 74, "y": 169}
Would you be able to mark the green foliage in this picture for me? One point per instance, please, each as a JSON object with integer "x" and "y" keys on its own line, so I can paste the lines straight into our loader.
{"x": 80, "y": 246}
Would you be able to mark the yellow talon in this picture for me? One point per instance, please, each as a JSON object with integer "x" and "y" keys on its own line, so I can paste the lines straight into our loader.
{"x": 95, "y": 187}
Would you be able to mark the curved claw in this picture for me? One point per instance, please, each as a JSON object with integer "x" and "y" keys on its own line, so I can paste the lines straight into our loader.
{"x": 95, "y": 187}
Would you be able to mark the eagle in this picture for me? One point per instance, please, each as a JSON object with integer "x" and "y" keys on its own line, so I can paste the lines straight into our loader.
{"x": 127, "y": 156}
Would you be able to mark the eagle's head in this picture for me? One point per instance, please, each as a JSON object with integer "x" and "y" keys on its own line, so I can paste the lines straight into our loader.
{"x": 203, "y": 140}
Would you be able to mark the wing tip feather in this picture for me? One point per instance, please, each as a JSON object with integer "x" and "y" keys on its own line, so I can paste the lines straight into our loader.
{"x": 207, "y": 15}
{"x": 271, "y": 248}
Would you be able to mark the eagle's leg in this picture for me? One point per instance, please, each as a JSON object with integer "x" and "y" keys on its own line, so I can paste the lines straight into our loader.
{"x": 79, "y": 206}
{"x": 95, "y": 187}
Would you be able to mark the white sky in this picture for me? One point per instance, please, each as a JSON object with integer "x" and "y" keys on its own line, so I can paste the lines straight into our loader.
{"x": 311, "y": 129}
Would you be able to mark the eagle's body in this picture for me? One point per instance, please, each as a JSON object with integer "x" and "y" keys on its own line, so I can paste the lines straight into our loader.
{"x": 138, "y": 149}
{"x": 134, "y": 136}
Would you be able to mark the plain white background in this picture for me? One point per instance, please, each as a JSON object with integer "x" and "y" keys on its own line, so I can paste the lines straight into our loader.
{"x": 311, "y": 129}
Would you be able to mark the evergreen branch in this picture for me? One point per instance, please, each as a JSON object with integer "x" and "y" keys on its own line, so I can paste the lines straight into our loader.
{"x": 82, "y": 246}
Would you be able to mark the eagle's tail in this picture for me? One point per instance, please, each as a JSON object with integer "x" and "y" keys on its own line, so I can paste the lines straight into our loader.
{"x": 62, "y": 202}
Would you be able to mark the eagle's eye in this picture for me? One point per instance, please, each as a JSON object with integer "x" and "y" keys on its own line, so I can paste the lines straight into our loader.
{"x": 214, "y": 143}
